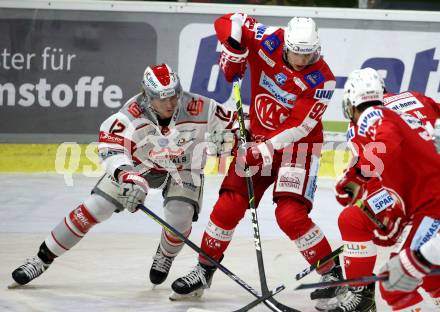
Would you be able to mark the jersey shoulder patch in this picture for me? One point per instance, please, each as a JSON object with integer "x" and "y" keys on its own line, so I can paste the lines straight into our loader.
{"x": 194, "y": 108}
{"x": 271, "y": 43}
{"x": 368, "y": 118}
{"x": 314, "y": 78}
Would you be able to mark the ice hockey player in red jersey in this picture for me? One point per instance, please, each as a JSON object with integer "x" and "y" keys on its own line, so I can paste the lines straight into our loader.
{"x": 291, "y": 86}
{"x": 156, "y": 140}
{"x": 396, "y": 165}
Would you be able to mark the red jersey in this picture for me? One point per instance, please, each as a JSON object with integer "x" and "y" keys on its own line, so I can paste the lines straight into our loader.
{"x": 404, "y": 158}
{"x": 286, "y": 105}
{"x": 413, "y": 103}
{"x": 418, "y": 105}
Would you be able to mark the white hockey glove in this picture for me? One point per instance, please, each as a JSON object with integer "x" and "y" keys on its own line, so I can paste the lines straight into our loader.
{"x": 405, "y": 271}
{"x": 224, "y": 141}
{"x": 133, "y": 189}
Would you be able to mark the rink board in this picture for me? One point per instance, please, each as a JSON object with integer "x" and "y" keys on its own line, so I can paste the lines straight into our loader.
{"x": 81, "y": 60}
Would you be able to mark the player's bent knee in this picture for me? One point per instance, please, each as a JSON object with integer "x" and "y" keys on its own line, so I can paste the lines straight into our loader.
{"x": 292, "y": 217}
{"x": 229, "y": 209}
{"x": 179, "y": 215}
{"x": 344, "y": 219}
{"x": 100, "y": 208}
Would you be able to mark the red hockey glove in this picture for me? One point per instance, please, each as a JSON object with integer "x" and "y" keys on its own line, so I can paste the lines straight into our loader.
{"x": 386, "y": 207}
{"x": 233, "y": 61}
{"x": 256, "y": 155}
{"x": 348, "y": 186}
{"x": 132, "y": 190}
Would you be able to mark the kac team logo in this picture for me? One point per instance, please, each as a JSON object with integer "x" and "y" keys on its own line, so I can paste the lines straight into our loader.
{"x": 269, "y": 111}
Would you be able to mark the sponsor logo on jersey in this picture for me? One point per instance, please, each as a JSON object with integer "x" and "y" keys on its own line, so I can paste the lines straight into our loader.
{"x": 396, "y": 97}
{"x": 350, "y": 134}
{"x": 271, "y": 43}
{"x": 195, "y": 107}
{"x": 134, "y": 110}
{"x": 110, "y": 138}
{"x": 268, "y": 60}
{"x": 281, "y": 78}
{"x": 260, "y": 31}
{"x": 369, "y": 118}
{"x": 380, "y": 201}
{"x": 323, "y": 94}
{"x": 284, "y": 97}
{"x": 314, "y": 78}
{"x": 426, "y": 230}
{"x": 313, "y": 177}
{"x": 290, "y": 179}
{"x": 300, "y": 83}
{"x": 405, "y": 105}
{"x": 168, "y": 157}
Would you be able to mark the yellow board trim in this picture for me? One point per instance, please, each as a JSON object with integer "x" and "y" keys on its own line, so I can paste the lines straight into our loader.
{"x": 83, "y": 158}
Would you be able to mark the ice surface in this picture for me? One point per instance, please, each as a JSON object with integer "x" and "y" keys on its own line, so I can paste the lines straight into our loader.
{"x": 108, "y": 270}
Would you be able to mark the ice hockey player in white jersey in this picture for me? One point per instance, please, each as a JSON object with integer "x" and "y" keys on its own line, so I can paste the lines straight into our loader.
{"x": 156, "y": 140}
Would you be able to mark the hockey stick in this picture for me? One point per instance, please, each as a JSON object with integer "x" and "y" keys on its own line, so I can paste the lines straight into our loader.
{"x": 265, "y": 298}
{"x": 251, "y": 196}
{"x": 370, "y": 216}
{"x": 335, "y": 253}
{"x": 365, "y": 210}
{"x": 364, "y": 279}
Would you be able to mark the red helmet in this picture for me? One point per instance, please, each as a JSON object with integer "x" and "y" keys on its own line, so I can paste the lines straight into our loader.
{"x": 160, "y": 82}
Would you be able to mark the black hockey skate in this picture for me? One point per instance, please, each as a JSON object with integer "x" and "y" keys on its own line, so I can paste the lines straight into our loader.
{"x": 357, "y": 299}
{"x": 327, "y": 297}
{"x": 31, "y": 269}
{"x": 194, "y": 283}
{"x": 161, "y": 267}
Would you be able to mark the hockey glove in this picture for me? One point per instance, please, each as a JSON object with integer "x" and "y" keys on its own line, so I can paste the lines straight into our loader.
{"x": 348, "y": 187}
{"x": 260, "y": 154}
{"x": 233, "y": 61}
{"x": 133, "y": 189}
{"x": 405, "y": 271}
{"x": 384, "y": 206}
{"x": 223, "y": 142}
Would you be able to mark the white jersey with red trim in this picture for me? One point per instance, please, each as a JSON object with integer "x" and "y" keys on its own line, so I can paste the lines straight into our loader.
{"x": 134, "y": 137}
{"x": 286, "y": 105}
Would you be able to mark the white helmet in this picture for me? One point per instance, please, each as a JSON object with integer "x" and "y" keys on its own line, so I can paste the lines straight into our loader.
{"x": 301, "y": 36}
{"x": 160, "y": 82}
{"x": 362, "y": 86}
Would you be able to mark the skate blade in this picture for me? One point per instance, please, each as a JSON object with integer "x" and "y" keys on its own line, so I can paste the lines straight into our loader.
{"x": 194, "y": 295}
